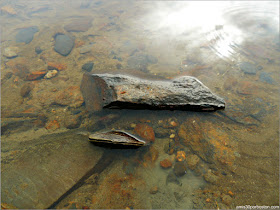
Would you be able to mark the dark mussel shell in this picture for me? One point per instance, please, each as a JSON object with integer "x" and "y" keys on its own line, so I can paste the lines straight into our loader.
{"x": 116, "y": 137}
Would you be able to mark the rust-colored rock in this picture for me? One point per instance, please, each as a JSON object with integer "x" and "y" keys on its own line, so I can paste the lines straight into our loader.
{"x": 56, "y": 66}
{"x": 192, "y": 161}
{"x": 52, "y": 125}
{"x": 207, "y": 140}
{"x": 35, "y": 75}
{"x": 71, "y": 96}
{"x": 145, "y": 131}
{"x": 180, "y": 156}
{"x": 166, "y": 163}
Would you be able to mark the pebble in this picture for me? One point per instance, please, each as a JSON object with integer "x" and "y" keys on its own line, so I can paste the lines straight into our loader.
{"x": 226, "y": 199}
{"x": 180, "y": 169}
{"x": 72, "y": 122}
{"x": 172, "y": 136}
{"x": 145, "y": 131}
{"x": 132, "y": 125}
{"x": 166, "y": 163}
{"x": 38, "y": 50}
{"x": 265, "y": 77}
{"x": 181, "y": 156}
{"x": 248, "y": 68}
{"x": 192, "y": 161}
{"x": 63, "y": 44}
{"x": 154, "y": 190}
{"x": 26, "y": 34}
{"x": 210, "y": 177}
{"x": 51, "y": 74}
{"x": 88, "y": 66}
{"x": 10, "y": 52}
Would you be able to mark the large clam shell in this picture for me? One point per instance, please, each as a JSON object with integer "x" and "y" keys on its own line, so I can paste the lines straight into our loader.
{"x": 117, "y": 137}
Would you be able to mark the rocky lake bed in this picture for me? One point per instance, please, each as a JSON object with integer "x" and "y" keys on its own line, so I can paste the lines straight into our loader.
{"x": 193, "y": 160}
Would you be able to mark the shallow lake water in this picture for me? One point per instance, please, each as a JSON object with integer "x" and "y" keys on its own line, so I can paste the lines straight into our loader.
{"x": 224, "y": 159}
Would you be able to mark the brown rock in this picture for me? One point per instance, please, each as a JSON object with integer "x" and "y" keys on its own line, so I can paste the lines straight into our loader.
{"x": 145, "y": 131}
{"x": 35, "y": 75}
{"x": 180, "y": 168}
{"x": 210, "y": 177}
{"x": 71, "y": 96}
{"x": 166, "y": 163}
{"x": 154, "y": 190}
{"x": 208, "y": 140}
{"x": 25, "y": 89}
{"x": 72, "y": 122}
{"x": 192, "y": 161}
{"x": 226, "y": 199}
{"x": 52, "y": 125}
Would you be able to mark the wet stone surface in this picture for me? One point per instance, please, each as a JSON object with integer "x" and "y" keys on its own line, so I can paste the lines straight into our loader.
{"x": 122, "y": 91}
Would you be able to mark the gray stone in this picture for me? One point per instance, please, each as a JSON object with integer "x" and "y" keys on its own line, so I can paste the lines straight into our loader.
{"x": 123, "y": 91}
{"x": 248, "y": 68}
{"x": 63, "y": 44}
{"x": 26, "y": 34}
{"x": 265, "y": 77}
{"x": 88, "y": 66}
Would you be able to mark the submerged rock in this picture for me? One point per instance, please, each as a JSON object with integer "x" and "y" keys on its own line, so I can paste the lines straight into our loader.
{"x": 123, "y": 91}
{"x": 63, "y": 44}
{"x": 26, "y": 34}
{"x": 249, "y": 68}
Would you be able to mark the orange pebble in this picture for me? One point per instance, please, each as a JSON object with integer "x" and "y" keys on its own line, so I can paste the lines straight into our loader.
{"x": 181, "y": 156}
{"x": 230, "y": 193}
{"x": 208, "y": 200}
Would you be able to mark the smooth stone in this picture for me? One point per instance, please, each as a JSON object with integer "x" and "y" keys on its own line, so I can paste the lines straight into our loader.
{"x": 26, "y": 34}
{"x": 180, "y": 169}
{"x": 38, "y": 50}
{"x": 63, "y": 44}
{"x": 88, "y": 66}
{"x": 265, "y": 77}
{"x": 248, "y": 68}
{"x": 123, "y": 91}
{"x": 10, "y": 52}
